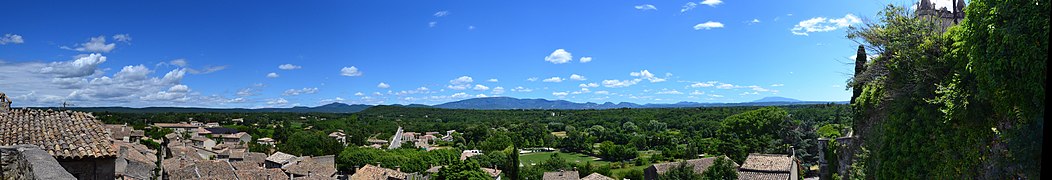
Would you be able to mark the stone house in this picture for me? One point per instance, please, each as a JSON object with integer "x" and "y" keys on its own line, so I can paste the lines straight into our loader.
{"x": 769, "y": 167}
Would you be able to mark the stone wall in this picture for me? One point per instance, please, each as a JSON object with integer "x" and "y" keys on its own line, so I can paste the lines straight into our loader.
{"x": 29, "y": 162}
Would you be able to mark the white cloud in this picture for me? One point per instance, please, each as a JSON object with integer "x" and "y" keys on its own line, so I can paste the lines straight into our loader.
{"x": 350, "y": 71}
{"x": 359, "y": 94}
{"x": 669, "y": 91}
{"x": 708, "y": 25}
{"x": 458, "y": 86}
{"x": 178, "y": 62}
{"x": 777, "y": 85}
{"x": 582, "y": 91}
{"x": 703, "y": 84}
{"x": 688, "y": 6}
{"x": 133, "y": 73}
{"x": 591, "y": 85}
{"x": 432, "y": 24}
{"x": 441, "y": 13}
{"x": 696, "y": 92}
{"x": 586, "y": 59}
{"x": 725, "y": 86}
{"x": 712, "y": 3}
{"x": 462, "y": 80}
{"x": 288, "y": 67}
{"x": 96, "y": 44}
{"x": 383, "y": 85}
{"x": 749, "y": 93}
{"x": 460, "y": 95}
{"x": 603, "y": 92}
{"x": 560, "y": 94}
{"x": 272, "y": 75}
{"x": 553, "y": 79}
{"x": 278, "y": 101}
{"x": 492, "y": 80}
{"x": 479, "y": 87}
{"x": 125, "y": 38}
{"x": 522, "y": 89}
{"x": 715, "y": 95}
{"x": 481, "y": 95}
{"x": 646, "y": 7}
{"x": 645, "y": 74}
{"x": 754, "y": 21}
{"x": 498, "y": 90}
{"x": 531, "y": 79}
{"x": 613, "y": 83}
{"x": 822, "y": 24}
{"x": 294, "y": 92}
{"x": 11, "y": 38}
{"x": 83, "y": 66}
{"x": 577, "y": 77}
{"x": 559, "y": 56}
{"x": 206, "y": 70}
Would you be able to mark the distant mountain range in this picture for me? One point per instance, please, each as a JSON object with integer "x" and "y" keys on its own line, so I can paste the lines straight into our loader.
{"x": 486, "y": 103}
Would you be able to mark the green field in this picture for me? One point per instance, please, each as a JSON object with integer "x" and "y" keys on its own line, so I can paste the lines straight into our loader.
{"x": 537, "y": 158}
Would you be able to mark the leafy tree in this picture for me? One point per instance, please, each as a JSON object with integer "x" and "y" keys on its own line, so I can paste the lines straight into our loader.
{"x": 462, "y": 170}
{"x": 679, "y": 172}
{"x": 310, "y": 143}
{"x": 752, "y": 131}
{"x": 555, "y": 163}
{"x": 722, "y": 168}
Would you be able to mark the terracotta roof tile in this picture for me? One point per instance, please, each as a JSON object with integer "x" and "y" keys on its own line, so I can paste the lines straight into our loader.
{"x": 370, "y": 172}
{"x": 323, "y": 166}
{"x": 261, "y": 174}
{"x": 596, "y": 176}
{"x": 63, "y": 134}
{"x": 767, "y": 163}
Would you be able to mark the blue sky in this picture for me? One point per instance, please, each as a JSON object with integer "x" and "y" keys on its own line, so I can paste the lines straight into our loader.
{"x": 230, "y": 54}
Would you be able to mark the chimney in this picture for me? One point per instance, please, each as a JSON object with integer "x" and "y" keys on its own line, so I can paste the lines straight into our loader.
{"x": 5, "y": 104}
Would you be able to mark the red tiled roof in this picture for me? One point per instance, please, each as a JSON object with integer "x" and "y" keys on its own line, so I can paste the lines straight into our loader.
{"x": 63, "y": 134}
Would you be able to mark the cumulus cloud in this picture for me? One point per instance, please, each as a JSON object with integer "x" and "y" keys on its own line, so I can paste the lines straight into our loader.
{"x": 383, "y": 85}
{"x": 697, "y": 92}
{"x": 205, "y": 70}
{"x": 591, "y": 85}
{"x": 712, "y": 3}
{"x": 613, "y": 83}
{"x": 288, "y": 67}
{"x": 708, "y": 25}
{"x": 84, "y": 65}
{"x": 559, "y": 56}
{"x": 822, "y": 24}
{"x": 479, "y": 87}
{"x": 460, "y": 95}
{"x": 11, "y": 38}
{"x": 359, "y": 94}
{"x": 521, "y": 89}
{"x": 603, "y": 92}
{"x": 95, "y": 44}
{"x": 669, "y": 91}
{"x": 577, "y": 77}
{"x": 178, "y": 62}
{"x": 586, "y": 59}
{"x": 553, "y": 79}
{"x": 703, "y": 84}
{"x": 350, "y": 71}
{"x": 272, "y": 75}
{"x": 560, "y": 94}
{"x": 278, "y": 101}
{"x": 294, "y": 92}
{"x": 492, "y": 80}
{"x": 462, "y": 80}
{"x": 645, "y": 74}
{"x": 125, "y": 38}
{"x": 498, "y": 90}
{"x": 531, "y": 79}
{"x": 777, "y": 85}
{"x": 646, "y": 7}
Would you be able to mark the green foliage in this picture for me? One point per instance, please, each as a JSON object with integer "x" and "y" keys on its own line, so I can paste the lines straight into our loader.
{"x": 614, "y": 152}
{"x": 462, "y": 170}
{"x": 829, "y": 131}
{"x": 311, "y": 143}
{"x": 964, "y": 103}
{"x": 555, "y": 163}
{"x": 633, "y": 174}
{"x": 681, "y": 171}
{"x": 753, "y": 131}
{"x": 722, "y": 168}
